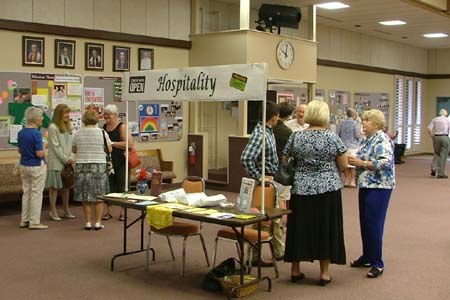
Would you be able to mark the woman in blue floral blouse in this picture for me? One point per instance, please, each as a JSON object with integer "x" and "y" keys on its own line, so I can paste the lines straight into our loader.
{"x": 376, "y": 180}
{"x": 315, "y": 227}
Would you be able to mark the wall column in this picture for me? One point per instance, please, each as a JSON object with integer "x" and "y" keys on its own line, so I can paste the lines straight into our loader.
{"x": 312, "y": 35}
{"x": 244, "y": 15}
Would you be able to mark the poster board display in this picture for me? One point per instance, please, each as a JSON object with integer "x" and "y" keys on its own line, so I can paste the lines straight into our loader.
{"x": 148, "y": 120}
{"x": 21, "y": 90}
{"x": 364, "y": 101}
{"x": 339, "y": 102}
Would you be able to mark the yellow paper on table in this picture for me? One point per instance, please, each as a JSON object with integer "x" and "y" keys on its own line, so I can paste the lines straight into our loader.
{"x": 159, "y": 216}
{"x": 245, "y": 217}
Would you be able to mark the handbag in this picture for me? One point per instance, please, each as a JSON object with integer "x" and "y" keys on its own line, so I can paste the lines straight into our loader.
{"x": 133, "y": 159}
{"x": 285, "y": 173}
{"x": 211, "y": 281}
{"x": 68, "y": 176}
{"x": 109, "y": 165}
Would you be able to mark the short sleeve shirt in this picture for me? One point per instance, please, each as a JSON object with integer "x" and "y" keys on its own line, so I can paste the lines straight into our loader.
{"x": 315, "y": 169}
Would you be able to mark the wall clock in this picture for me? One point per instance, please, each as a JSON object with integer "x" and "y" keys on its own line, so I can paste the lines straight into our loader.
{"x": 285, "y": 54}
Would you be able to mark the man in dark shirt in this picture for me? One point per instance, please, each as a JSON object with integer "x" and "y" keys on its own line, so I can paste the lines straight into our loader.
{"x": 282, "y": 134}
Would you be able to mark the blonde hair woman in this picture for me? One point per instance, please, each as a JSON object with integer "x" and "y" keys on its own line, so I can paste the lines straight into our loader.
{"x": 91, "y": 178}
{"x": 315, "y": 227}
{"x": 59, "y": 153}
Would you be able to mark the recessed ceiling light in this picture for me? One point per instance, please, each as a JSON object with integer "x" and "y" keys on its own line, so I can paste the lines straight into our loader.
{"x": 435, "y": 35}
{"x": 332, "y": 5}
{"x": 392, "y": 23}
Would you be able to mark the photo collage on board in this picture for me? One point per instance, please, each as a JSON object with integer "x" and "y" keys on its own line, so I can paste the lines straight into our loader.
{"x": 158, "y": 122}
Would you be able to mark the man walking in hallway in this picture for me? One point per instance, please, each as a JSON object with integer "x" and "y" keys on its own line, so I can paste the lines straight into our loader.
{"x": 438, "y": 130}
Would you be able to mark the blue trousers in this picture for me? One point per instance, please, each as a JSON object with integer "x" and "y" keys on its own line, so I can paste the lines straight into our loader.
{"x": 373, "y": 204}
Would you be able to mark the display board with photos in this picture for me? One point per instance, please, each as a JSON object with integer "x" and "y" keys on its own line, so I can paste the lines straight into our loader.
{"x": 18, "y": 91}
{"x": 339, "y": 101}
{"x": 364, "y": 101}
{"x": 148, "y": 121}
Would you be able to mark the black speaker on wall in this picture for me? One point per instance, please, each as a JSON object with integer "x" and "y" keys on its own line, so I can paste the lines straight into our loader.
{"x": 254, "y": 110}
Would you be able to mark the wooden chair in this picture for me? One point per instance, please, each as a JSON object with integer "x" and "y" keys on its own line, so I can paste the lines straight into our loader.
{"x": 191, "y": 184}
{"x": 251, "y": 234}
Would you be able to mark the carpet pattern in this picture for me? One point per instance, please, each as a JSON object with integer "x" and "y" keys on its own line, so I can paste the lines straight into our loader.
{"x": 67, "y": 262}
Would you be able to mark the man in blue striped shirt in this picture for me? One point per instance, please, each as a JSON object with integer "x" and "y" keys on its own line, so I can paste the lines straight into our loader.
{"x": 252, "y": 155}
{"x": 251, "y": 160}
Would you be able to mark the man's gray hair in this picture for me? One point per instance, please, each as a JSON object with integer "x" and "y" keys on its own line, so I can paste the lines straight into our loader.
{"x": 443, "y": 112}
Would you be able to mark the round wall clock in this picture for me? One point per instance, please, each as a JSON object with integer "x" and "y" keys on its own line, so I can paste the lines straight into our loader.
{"x": 285, "y": 54}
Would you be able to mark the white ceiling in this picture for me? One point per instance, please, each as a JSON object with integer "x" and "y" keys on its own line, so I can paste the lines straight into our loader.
{"x": 367, "y": 14}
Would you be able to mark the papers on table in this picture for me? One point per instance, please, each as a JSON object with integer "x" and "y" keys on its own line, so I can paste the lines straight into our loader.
{"x": 131, "y": 196}
{"x": 222, "y": 215}
{"x": 147, "y": 203}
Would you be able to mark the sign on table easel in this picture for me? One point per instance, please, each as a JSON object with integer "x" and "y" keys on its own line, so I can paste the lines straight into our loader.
{"x": 246, "y": 193}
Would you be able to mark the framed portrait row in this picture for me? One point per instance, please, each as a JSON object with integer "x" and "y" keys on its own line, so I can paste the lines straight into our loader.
{"x": 33, "y": 54}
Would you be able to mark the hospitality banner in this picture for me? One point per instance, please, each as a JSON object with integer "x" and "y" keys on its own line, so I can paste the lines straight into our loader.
{"x": 219, "y": 83}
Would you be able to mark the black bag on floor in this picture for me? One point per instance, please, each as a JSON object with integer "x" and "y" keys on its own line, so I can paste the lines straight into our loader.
{"x": 211, "y": 281}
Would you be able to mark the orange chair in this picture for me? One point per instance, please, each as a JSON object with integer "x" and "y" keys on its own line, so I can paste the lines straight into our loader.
{"x": 251, "y": 234}
{"x": 191, "y": 184}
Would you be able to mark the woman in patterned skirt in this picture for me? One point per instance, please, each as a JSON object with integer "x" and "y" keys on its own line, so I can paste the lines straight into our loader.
{"x": 91, "y": 177}
{"x": 315, "y": 227}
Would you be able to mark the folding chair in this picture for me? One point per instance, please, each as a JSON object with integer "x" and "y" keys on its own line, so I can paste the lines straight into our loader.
{"x": 251, "y": 234}
{"x": 191, "y": 184}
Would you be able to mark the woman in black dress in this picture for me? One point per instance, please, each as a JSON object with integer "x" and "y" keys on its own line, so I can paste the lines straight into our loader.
{"x": 315, "y": 227}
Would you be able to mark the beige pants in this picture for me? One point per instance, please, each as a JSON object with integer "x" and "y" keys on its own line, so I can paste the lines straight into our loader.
{"x": 33, "y": 183}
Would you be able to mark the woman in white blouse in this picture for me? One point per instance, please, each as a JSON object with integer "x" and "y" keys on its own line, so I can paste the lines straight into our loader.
{"x": 91, "y": 177}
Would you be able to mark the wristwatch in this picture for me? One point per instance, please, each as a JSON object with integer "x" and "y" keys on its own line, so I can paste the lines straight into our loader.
{"x": 365, "y": 164}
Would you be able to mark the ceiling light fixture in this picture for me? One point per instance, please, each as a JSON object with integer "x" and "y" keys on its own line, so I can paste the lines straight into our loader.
{"x": 332, "y": 5}
{"x": 435, "y": 35}
{"x": 392, "y": 23}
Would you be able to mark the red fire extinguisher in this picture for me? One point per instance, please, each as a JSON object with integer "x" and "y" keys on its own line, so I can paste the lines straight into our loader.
{"x": 192, "y": 154}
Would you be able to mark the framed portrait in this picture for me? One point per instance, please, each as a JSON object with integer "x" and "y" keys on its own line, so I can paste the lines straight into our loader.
{"x": 145, "y": 56}
{"x": 33, "y": 51}
{"x": 94, "y": 56}
{"x": 121, "y": 58}
{"x": 64, "y": 54}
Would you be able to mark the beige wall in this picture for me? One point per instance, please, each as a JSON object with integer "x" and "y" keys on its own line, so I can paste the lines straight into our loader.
{"x": 144, "y": 17}
{"x": 439, "y": 61}
{"x": 165, "y": 57}
{"x": 330, "y": 78}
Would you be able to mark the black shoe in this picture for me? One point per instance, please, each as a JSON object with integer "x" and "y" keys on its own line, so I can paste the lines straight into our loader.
{"x": 264, "y": 263}
{"x": 433, "y": 173}
{"x": 299, "y": 277}
{"x": 374, "y": 272}
{"x": 324, "y": 282}
{"x": 442, "y": 176}
{"x": 279, "y": 258}
{"x": 359, "y": 264}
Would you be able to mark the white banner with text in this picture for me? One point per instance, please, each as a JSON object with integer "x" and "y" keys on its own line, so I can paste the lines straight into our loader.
{"x": 219, "y": 83}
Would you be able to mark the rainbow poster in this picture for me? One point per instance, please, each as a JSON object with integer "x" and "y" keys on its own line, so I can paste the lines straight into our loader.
{"x": 148, "y": 124}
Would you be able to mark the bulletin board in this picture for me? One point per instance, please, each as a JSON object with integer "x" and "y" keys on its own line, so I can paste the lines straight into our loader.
{"x": 365, "y": 101}
{"x": 339, "y": 102}
{"x": 18, "y": 91}
{"x": 148, "y": 121}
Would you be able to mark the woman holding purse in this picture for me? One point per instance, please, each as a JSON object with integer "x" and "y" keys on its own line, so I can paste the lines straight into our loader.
{"x": 91, "y": 177}
{"x": 117, "y": 132}
{"x": 59, "y": 153}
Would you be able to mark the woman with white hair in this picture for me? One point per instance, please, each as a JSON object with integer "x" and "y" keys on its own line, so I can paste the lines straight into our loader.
{"x": 376, "y": 180}
{"x": 32, "y": 169}
{"x": 117, "y": 132}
